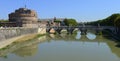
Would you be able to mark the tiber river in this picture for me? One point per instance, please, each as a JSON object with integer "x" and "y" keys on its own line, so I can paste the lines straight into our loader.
{"x": 63, "y": 47}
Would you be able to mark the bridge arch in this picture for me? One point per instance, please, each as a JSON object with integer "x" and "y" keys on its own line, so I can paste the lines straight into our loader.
{"x": 83, "y": 30}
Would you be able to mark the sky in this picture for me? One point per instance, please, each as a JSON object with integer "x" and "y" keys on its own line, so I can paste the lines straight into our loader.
{"x": 81, "y": 10}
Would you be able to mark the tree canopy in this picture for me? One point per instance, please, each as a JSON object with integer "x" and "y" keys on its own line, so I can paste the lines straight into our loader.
{"x": 70, "y": 22}
{"x": 109, "y": 21}
{"x": 57, "y": 21}
{"x": 117, "y": 22}
{"x": 2, "y": 20}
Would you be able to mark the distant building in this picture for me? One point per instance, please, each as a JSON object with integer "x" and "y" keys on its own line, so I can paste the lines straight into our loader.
{"x": 50, "y": 21}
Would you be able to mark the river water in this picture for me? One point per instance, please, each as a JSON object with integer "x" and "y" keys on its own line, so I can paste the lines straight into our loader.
{"x": 63, "y": 47}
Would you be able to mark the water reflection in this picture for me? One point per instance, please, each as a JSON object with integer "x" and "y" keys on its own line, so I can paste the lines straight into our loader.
{"x": 76, "y": 37}
{"x": 91, "y": 36}
{"x": 63, "y": 47}
{"x": 27, "y": 51}
{"x": 114, "y": 49}
{"x": 27, "y": 48}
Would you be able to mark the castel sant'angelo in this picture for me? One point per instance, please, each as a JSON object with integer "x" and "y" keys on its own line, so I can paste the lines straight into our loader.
{"x": 23, "y": 17}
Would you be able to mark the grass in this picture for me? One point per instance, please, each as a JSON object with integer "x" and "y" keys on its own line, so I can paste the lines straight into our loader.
{"x": 5, "y": 47}
{"x": 39, "y": 35}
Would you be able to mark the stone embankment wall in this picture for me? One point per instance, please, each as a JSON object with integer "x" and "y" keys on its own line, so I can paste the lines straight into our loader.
{"x": 9, "y": 35}
{"x": 6, "y": 33}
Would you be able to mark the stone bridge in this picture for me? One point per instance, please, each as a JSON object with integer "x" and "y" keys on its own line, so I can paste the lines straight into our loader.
{"x": 83, "y": 29}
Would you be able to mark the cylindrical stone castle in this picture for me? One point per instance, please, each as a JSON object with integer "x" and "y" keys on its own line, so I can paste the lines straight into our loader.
{"x": 24, "y": 17}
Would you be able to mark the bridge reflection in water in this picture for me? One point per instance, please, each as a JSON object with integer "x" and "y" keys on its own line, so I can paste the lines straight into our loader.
{"x": 76, "y": 37}
{"x": 90, "y": 37}
{"x": 32, "y": 48}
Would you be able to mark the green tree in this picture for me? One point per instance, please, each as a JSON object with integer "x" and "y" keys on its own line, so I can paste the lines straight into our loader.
{"x": 117, "y": 22}
{"x": 109, "y": 21}
{"x": 70, "y": 22}
{"x": 57, "y": 21}
{"x": 2, "y": 20}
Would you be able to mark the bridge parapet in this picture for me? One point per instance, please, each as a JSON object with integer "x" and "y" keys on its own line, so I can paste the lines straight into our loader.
{"x": 81, "y": 28}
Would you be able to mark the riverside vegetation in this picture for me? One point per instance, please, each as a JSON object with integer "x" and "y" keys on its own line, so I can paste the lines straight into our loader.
{"x": 112, "y": 20}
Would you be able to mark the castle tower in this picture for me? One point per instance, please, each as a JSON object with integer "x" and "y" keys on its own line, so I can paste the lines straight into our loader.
{"x": 24, "y": 17}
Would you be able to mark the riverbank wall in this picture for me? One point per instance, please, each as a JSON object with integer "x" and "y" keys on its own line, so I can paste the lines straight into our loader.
{"x": 10, "y": 35}
{"x": 6, "y": 33}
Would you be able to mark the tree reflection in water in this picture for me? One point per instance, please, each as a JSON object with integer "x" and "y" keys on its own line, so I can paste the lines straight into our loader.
{"x": 27, "y": 51}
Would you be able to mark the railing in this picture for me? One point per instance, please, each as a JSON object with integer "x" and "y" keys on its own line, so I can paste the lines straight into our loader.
{"x": 76, "y": 26}
{"x": 14, "y": 28}
{"x": 59, "y": 27}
